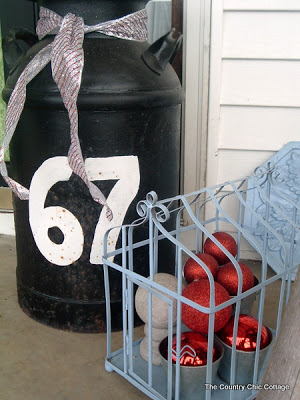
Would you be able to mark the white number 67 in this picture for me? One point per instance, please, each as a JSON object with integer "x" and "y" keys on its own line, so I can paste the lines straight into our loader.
{"x": 124, "y": 169}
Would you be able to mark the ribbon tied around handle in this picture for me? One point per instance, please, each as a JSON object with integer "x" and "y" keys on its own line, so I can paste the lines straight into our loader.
{"x": 67, "y": 61}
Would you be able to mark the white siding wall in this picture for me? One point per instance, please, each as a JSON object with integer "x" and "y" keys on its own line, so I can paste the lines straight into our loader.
{"x": 254, "y": 91}
{"x": 254, "y": 105}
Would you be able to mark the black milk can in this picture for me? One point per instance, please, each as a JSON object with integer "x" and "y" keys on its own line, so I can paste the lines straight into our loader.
{"x": 129, "y": 119}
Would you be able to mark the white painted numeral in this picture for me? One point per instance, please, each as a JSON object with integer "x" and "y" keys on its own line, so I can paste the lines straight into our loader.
{"x": 41, "y": 219}
{"x": 124, "y": 169}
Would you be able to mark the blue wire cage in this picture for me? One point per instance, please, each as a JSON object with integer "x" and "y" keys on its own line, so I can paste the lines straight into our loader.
{"x": 275, "y": 241}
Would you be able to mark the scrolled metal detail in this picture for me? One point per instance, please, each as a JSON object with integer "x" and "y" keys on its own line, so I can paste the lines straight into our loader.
{"x": 143, "y": 206}
{"x": 159, "y": 212}
{"x": 275, "y": 174}
{"x": 151, "y": 198}
{"x": 142, "y": 209}
{"x": 264, "y": 172}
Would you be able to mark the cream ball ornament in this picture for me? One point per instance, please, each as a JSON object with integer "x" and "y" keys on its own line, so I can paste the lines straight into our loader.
{"x": 159, "y": 314}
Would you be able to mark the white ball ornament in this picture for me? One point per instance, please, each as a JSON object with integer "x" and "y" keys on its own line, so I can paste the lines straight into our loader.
{"x": 159, "y": 314}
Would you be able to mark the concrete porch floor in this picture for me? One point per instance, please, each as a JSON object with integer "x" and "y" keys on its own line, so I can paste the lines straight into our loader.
{"x": 42, "y": 363}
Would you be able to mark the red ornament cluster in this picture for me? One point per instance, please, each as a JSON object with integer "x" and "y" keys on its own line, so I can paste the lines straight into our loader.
{"x": 228, "y": 278}
{"x": 226, "y": 283}
{"x": 246, "y": 334}
{"x": 193, "y": 271}
{"x": 199, "y": 292}
{"x": 214, "y": 250}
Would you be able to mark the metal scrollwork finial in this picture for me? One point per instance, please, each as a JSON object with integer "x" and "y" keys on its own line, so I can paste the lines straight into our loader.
{"x": 269, "y": 172}
{"x": 159, "y": 212}
{"x": 264, "y": 170}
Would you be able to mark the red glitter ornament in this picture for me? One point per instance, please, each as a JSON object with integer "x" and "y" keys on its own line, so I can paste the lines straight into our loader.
{"x": 246, "y": 334}
{"x": 227, "y": 276}
{"x": 199, "y": 292}
{"x": 195, "y": 341}
{"x": 214, "y": 250}
{"x": 192, "y": 270}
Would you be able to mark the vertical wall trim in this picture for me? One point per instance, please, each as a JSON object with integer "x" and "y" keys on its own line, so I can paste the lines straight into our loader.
{"x": 203, "y": 92}
{"x": 196, "y": 60}
{"x": 196, "y": 83}
{"x": 214, "y": 91}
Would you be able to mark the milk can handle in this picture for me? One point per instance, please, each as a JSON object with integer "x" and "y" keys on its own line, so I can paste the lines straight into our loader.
{"x": 162, "y": 52}
{"x": 12, "y": 50}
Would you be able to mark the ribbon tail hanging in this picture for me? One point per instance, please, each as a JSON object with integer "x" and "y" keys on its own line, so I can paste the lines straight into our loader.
{"x": 14, "y": 110}
{"x": 67, "y": 65}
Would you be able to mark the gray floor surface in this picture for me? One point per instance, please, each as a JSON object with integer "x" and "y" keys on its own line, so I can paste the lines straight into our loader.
{"x": 42, "y": 363}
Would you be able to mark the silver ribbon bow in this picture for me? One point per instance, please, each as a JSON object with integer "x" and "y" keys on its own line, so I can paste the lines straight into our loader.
{"x": 67, "y": 59}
